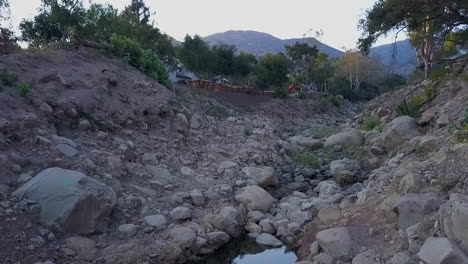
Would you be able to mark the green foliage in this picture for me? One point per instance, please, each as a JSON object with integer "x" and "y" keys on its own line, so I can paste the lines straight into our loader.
{"x": 7, "y": 78}
{"x": 248, "y": 130}
{"x": 68, "y": 20}
{"x": 218, "y": 110}
{"x": 439, "y": 73}
{"x": 23, "y": 89}
{"x": 465, "y": 77}
{"x": 144, "y": 59}
{"x": 334, "y": 100}
{"x": 281, "y": 93}
{"x": 272, "y": 70}
{"x": 309, "y": 159}
{"x": 430, "y": 92}
{"x": 370, "y": 122}
{"x": 409, "y": 107}
{"x": 460, "y": 125}
{"x": 320, "y": 131}
{"x": 301, "y": 95}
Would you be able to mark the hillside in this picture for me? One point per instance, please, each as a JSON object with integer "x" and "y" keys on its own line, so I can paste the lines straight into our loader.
{"x": 405, "y": 56}
{"x": 259, "y": 43}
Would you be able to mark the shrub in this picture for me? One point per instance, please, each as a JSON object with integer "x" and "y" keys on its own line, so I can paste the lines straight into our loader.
{"x": 409, "y": 107}
{"x": 23, "y": 88}
{"x": 320, "y": 131}
{"x": 281, "y": 93}
{"x": 439, "y": 73}
{"x": 370, "y": 122}
{"x": 309, "y": 159}
{"x": 7, "y": 78}
{"x": 302, "y": 95}
{"x": 145, "y": 60}
{"x": 248, "y": 130}
{"x": 430, "y": 92}
{"x": 465, "y": 77}
{"x": 334, "y": 101}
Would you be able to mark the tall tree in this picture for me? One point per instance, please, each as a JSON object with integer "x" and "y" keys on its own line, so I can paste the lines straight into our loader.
{"x": 272, "y": 70}
{"x": 139, "y": 11}
{"x": 429, "y": 22}
{"x": 303, "y": 56}
{"x": 357, "y": 68}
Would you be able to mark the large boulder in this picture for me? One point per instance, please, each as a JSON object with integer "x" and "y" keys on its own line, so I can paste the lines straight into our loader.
{"x": 399, "y": 130}
{"x": 411, "y": 208}
{"x": 264, "y": 176}
{"x": 306, "y": 142}
{"x": 75, "y": 202}
{"x": 268, "y": 240}
{"x": 441, "y": 251}
{"x": 347, "y": 138}
{"x": 454, "y": 219}
{"x": 255, "y": 198}
{"x": 344, "y": 171}
{"x": 336, "y": 242}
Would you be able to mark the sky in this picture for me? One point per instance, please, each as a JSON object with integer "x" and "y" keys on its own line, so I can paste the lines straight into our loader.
{"x": 338, "y": 19}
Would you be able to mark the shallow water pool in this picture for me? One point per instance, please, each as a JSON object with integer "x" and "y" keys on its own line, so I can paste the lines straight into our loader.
{"x": 246, "y": 251}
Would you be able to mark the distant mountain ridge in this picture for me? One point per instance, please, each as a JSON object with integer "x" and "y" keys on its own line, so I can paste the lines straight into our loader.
{"x": 259, "y": 43}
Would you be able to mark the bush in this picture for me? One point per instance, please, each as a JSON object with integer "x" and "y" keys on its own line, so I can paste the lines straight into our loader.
{"x": 7, "y": 78}
{"x": 281, "y": 93}
{"x": 334, "y": 101}
{"x": 23, "y": 88}
{"x": 430, "y": 92}
{"x": 302, "y": 95}
{"x": 370, "y": 122}
{"x": 409, "y": 107}
{"x": 145, "y": 60}
{"x": 439, "y": 73}
{"x": 309, "y": 159}
{"x": 320, "y": 131}
{"x": 248, "y": 130}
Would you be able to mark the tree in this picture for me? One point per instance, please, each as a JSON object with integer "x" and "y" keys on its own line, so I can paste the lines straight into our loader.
{"x": 139, "y": 11}
{"x": 357, "y": 68}
{"x": 224, "y": 59}
{"x": 195, "y": 54}
{"x": 272, "y": 70}
{"x": 303, "y": 56}
{"x": 244, "y": 64}
{"x": 428, "y": 22}
{"x": 54, "y": 23}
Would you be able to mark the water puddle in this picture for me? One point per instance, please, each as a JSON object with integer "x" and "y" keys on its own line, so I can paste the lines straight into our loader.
{"x": 247, "y": 251}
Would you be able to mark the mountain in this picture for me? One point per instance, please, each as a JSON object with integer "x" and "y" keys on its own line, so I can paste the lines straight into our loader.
{"x": 401, "y": 56}
{"x": 259, "y": 43}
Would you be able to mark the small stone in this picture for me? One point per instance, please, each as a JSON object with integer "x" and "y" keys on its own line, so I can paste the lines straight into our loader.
{"x": 157, "y": 221}
{"x": 128, "y": 230}
{"x": 268, "y": 240}
{"x": 181, "y": 213}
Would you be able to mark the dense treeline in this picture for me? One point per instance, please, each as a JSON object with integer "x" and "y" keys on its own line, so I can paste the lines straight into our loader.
{"x": 133, "y": 36}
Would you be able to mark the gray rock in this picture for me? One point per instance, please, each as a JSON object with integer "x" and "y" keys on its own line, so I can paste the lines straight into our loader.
{"x": 226, "y": 165}
{"x": 441, "y": 251}
{"x": 197, "y": 197}
{"x": 157, "y": 221}
{"x": 327, "y": 189}
{"x": 181, "y": 213}
{"x": 268, "y": 240}
{"x": 186, "y": 171}
{"x": 253, "y": 228}
{"x": 344, "y": 171}
{"x": 128, "y": 230}
{"x": 454, "y": 219}
{"x": 66, "y": 150}
{"x": 217, "y": 239}
{"x": 306, "y": 142}
{"x": 400, "y": 258}
{"x": 75, "y": 202}
{"x": 194, "y": 122}
{"x": 183, "y": 236}
{"x": 366, "y": 257}
{"x": 24, "y": 177}
{"x": 400, "y": 130}
{"x": 411, "y": 208}
{"x": 231, "y": 220}
{"x": 255, "y": 198}
{"x": 264, "y": 176}
{"x": 323, "y": 258}
{"x": 84, "y": 247}
{"x": 160, "y": 174}
{"x": 347, "y": 138}
{"x": 336, "y": 242}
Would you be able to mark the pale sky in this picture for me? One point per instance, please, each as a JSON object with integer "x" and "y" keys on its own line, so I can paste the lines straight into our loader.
{"x": 283, "y": 19}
